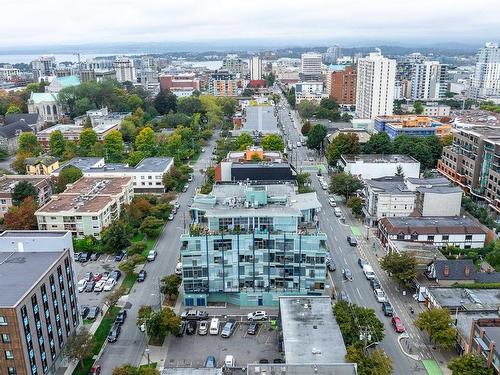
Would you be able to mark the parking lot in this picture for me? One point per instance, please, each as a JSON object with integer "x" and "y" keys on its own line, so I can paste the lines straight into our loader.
{"x": 192, "y": 350}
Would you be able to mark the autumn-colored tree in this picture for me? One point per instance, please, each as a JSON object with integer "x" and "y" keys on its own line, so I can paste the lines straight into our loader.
{"x": 22, "y": 216}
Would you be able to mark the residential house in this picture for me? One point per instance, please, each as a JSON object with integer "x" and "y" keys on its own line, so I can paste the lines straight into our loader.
{"x": 41, "y": 165}
{"x": 9, "y": 135}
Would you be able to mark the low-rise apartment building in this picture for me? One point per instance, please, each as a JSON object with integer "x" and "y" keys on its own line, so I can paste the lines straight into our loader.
{"x": 473, "y": 163}
{"x": 462, "y": 232}
{"x": 42, "y": 184}
{"x": 38, "y": 303}
{"x": 71, "y": 132}
{"x": 368, "y": 166}
{"x": 410, "y": 125}
{"x": 249, "y": 244}
{"x": 223, "y": 83}
{"x": 87, "y": 206}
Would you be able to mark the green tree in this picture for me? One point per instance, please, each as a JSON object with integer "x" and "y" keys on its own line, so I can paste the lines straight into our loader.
{"x": 170, "y": 285}
{"x": 329, "y": 103}
{"x": 151, "y": 226}
{"x": 128, "y": 266}
{"x": 343, "y": 143}
{"x": 57, "y": 143}
{"x": 28, "y": 144}
{"x": 146, "y": 141}
{"x": 68, "y": 175}
{"x": 437, "y": 323}
{"x": 88, "y": 139}
{"x": 306, "y": 128}
{"x": 401, "y": 267}
{"x": 418, "y": 107}
{"x": 316, "y": 136}
{"x": 136, "y": 248}
{"x": 22, "y": 190}
{"x": 13, "y": 109}
{"x": 19, "y": 162}
{"x": 307, "y": 108}
{"x": 80, "y": 345}
{"x": 116, "y": 236}
{"x": 135, "y": 157}
{"x": 290, "y": 97}
{"x": 189, "y": 105}
{"x": 134, "y": 102}
{"x": 344, "y": 184}
{"x": 132, "y": 370}
{"x": 243, "y": 141}
{"x": 163, "y": 322}
{"x": 113, "y": 146}
{"x": 447, "y": 140}
{"x": 21, "y": 217}
{"x": 469, "y": 364}
{"x": 165, "y": 102}
{"x": 379, "y": 143}
{"x": 356, "y": 206}
{"x": 272, "y": 142}
{"x": 375, "y": 362}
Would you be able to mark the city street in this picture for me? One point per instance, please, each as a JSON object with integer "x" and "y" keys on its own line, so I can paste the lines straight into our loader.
{"x": 132, "y": 343}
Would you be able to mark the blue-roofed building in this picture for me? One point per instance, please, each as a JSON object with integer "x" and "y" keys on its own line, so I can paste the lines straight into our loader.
{"x": 46, "y": 105}
{"x": 410, "y": 125}
{"x": 60, "y": 83}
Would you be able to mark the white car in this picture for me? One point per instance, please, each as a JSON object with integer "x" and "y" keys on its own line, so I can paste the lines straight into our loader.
{"x": 257, "y": 315}
{"x": 178, "y": 269}
{"x": 229, "y": 361}
{"x": 332, "y": 202}
{"x": 151, "y": 255}
{"x": 176, "y": 204}
{"x": 380, "y": 295}
{"x": 99, "y": 286}
{"x": 110, "y": 283}
{"x": 81, "y": 285}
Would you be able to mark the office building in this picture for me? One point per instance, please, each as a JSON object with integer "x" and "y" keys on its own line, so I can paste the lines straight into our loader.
{"x": 332, "y": 54}
{"x": 434, "y": 109}
{"x": 473, "y": 163}
{"x": 42, "y": 184}
{"x": 442, "y": 231}
{"x": 429, "y": 81}
{"x": 248, "y": 244}
{"x": 233, "y": 64}
{"x": 87, "y": 206}
{"x": 255, "y": 68}
{"x": 310, "y": 66}
{"x": 148, "y": 73}
{"x": 43, "y": 66}
{"x": 341, "y": 84}
{"x": 147, "y": 175}
{"x": 309, "y": 90}
{"x": 375, "y": 86}
{"x": 410, "y": 125}
{"x": 38, "y": 303}
{"x": 124, "y": 69}
{"x": 485, "y": 83}
{"x": 182, "y": 84}
{"x": 8, "y": 73}
{"x": 367, "y": 166}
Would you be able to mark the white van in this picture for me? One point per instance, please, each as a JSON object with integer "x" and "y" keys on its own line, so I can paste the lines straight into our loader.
{"x": 214, "y": 326}
{"x": 178, "y": 269}
{"x": 337, "y": 211}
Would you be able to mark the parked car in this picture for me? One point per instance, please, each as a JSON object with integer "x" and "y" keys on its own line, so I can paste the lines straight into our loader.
{"x": 352, "y": 240}
{"x": 110, "y": 284}
{"x": 84, "y": 311}
{"x": 397, "y": 324}
{"x": 278, "y": 360}
{"x": 119, "y": 256}
{"x": 337, "y": 211}
{"x": 387, "y": 308}
{"x": 185, "y": 188}
{"x": 210, "y": 362}
{"x": 141, "y": 276}
{"x": 229, "y": 328}
{"x": 97, "y": 277}
{"x": 115, "y": 274}
{"x": 347, "y": 274}
{"x": 90, "y": 286}
{"x": 229, "y": 361}
{"x": 114, "y": 333}
{"x": 362, "y": 262}
{"x": 191, "y": 327}
{"x": 178, "y": 269}
{"x": 257, "y": 315}
{"x": 151, "y": 255}
{"x": 182, "y": 329}
{"x": 95, "y": 370}
{"x": 375, "y": 284}
{"x": 176, "y": 204}
{"x": 99, "y": 286}
{"x": 253, "y": 328}
{"x": 379, "y": 295}
{"x": 331, "y": 266}
{"x": 93, "y": 312}
{"x": 203, "y": 328}
{"x": 84, "y": 257}
{"x": 194, "y": 315}
{"x": 263, "y": 361}
{"x": 105, "y": 276}
{"x": 344, "y": 296}
{"x": 120, "y": 318}
{"x": 82, "y": 284}
{"x": 89, "y": 276}
{"x": 95, "y": 256}
{"x": 171, "y": 217}
{"x": 332, "y": 202}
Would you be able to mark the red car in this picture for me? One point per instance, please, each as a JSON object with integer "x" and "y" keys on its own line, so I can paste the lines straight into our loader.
{"x": 97, "y": 277}
{"x": 95, "y": 370}
{"x": 397, "y": 324}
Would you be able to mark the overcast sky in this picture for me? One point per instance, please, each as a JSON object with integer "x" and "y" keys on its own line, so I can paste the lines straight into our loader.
{"x": 48, "y": 22}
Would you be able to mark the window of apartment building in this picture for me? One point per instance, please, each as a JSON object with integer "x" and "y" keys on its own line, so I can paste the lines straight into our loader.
{"x": 430, "y": 238}
{"x": 401, "y": 236}
{"x": 53, "y": 218}
{"x": 3, "y": 321}
{"x": 150, "y": 177}
{"x": 225, "y": 222}
{"x": 3, "y": 201}
{"x": 9, "y": 354}
{"x": 11, "y": 371}
{"x": 5, "y": 338}
{"x": 446, "y": 238}
{"x": 94, "y": 217}
{"x": 468, "y": 237}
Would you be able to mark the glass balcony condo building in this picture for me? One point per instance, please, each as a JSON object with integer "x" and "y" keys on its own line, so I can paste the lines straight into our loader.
{"x": 249, "y": 244}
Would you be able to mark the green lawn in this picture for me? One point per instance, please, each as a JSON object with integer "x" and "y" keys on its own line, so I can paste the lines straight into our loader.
{"x": 100, "y": 336}
{"x": 128, "y": 282}
{"x": 149, "y": 243}
{"x": 151, "y": 365}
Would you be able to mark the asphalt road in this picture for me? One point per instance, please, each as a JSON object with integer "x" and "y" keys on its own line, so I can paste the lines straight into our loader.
{"x": 344, "y": 255}
{"x": 131, "y": 344}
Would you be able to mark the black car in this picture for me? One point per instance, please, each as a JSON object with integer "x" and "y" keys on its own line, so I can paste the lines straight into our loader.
{"x": 263, "y": 361}
{"x": 84, "y": 311}
{"x": 84, "y": 257}
{"x": 278, "y": 360}
{"x": 253, "y": 328}
{"x": 331, "y": 266}
{"x": 114, "y": 333}
{"x": 191, "y": 327}
{"x": 90, "y": 286}
{"x": 93, "y": 312}
{"x": 141, "y": 276}
{"x": 182, "y": 329}
{"x": 194, "y": 315}
{"x": 120, "y": 318}
{"x": 119, "y": 255}
{"x": 387, "y": 309}
{"x": 115, "y": 274}
{"x": 375, "y": 284}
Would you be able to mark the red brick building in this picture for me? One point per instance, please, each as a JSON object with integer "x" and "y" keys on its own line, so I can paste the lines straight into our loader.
{"x": 341, "y": 85}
